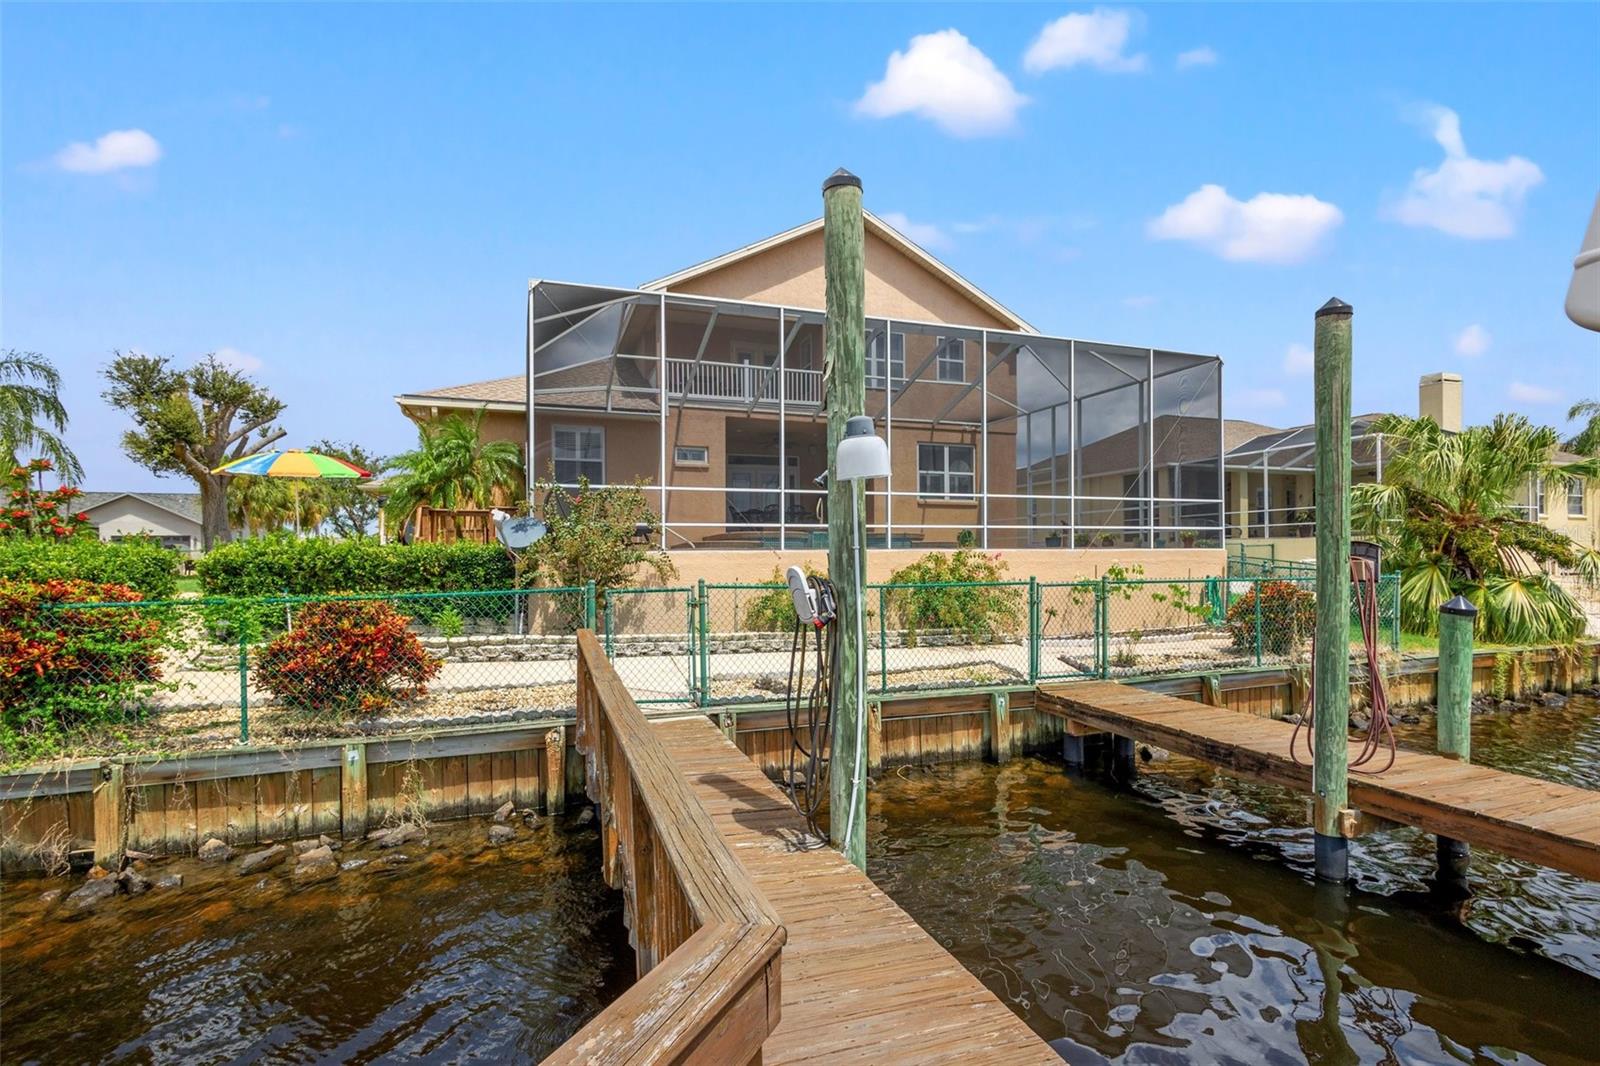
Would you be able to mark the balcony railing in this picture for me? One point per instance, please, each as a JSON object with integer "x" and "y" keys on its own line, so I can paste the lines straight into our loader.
{"x": 741, "y": 383}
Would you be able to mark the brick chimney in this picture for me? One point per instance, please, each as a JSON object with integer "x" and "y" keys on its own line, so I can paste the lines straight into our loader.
{"x": 1439, "y": 398}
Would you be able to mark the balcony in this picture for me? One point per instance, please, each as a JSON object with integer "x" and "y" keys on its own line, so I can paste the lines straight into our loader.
{"x": 742, "y": 384}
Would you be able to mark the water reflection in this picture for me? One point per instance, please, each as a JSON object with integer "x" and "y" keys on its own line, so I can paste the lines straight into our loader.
{"x": 1179, "y": 921}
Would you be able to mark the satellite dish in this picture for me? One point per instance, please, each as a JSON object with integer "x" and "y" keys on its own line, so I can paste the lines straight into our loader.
{"x": 518, "y": 534}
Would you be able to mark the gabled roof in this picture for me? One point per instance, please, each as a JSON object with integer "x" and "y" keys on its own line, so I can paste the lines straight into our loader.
{"x": 182, "y": 504}
{"x": 874, "y": 225}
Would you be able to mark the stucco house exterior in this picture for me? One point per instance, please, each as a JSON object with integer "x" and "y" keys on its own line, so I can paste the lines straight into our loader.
{"x": 706, "y": 387}
{"x": 171, "y": 518}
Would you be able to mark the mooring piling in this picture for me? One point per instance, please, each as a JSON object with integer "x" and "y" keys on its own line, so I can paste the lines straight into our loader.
{"x": 1330, "y": 770}
{"x": 1454, "y": 720}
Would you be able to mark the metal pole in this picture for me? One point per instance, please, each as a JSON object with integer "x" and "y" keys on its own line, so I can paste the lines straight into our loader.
{"x": 783, "y": 438}
{"x": 844, "y": 238}
{"x": 705, "y": 651}
{"x": 888, "y": 427}
{"x": 983, "y": 428}
{"x": 244, "y": 686}
{"x": 1331, "y": 651}
{"x": 530, "y": 475}
{"x": 1456, "y": 619}
{"x": 661, "y": 391}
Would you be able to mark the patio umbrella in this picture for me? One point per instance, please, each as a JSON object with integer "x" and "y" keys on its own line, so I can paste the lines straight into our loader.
{"x": 292, "y": 464}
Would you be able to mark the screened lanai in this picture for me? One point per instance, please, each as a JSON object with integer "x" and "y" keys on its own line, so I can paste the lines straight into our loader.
{"x": 716, "y": 409}
{"x": 1270, "y": 479}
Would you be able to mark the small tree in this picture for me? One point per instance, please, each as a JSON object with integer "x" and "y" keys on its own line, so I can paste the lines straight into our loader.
{"x": 349, "y": 510}
{"x": 600, "y": 535}
{"x": 35, "y": 512}
{"x": 452, "y": 467}
{"x": 190, "y": 422}
{"x": 32, "y": 416}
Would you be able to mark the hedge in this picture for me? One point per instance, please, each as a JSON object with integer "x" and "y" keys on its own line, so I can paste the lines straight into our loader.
{"x": 274, "y": 566}
{"x": 142, "y": 565}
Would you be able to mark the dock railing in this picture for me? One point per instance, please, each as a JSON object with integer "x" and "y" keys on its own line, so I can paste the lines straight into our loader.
{"x": 709, "y": 945}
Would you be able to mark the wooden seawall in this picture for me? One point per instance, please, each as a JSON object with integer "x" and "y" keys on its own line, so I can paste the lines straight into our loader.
{"x": 1539, "y": 821}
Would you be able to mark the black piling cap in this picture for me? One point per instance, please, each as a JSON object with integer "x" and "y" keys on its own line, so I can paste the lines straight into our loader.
{"x": 841, "y": 177}
{"x": 1459, "y": 606}
{"x": 1335, "y": 306}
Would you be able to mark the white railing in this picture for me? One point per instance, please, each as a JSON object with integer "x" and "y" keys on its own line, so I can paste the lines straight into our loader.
{"x": 740, "y": 382}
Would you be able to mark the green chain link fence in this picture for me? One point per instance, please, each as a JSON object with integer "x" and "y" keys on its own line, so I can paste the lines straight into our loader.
{"x": 206, "y": 672}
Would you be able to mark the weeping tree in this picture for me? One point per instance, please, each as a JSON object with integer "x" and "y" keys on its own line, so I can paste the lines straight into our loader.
{"x": 32, "y": 417}
{"x": 453, "y": 467}
{"x": 1449, "y": 515}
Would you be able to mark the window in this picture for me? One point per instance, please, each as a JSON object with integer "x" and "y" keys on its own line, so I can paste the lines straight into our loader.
{"x": 952, "y": 359}
{"x": 879, "y": 370}
{"x": 1538, "y": 498}
{"x": 580, "y": 452}
{"x": 1575, "y": 487}
{"x": 691, "y": 455}
{"x": 944, "y": 471}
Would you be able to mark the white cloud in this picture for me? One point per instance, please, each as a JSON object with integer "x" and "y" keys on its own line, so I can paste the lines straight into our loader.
{"x": 1255, "y": 399}
{"x": 243, "y": 362}
{"x": 1473, "y": 341}
{"x": 116, "y": 150}
{"x": 1298, "y": 360}
{"x": 1465, "y": 197}
{"x": 1267, "y": 228}
{"x": 1522, "y": 392}
{"x": 945, "y": 78}
{"x": 1204, "y": 56}
{"x": 1096, "y": 39}
{"x": 1139, "y": 302}
{"x": 924, "y": 233}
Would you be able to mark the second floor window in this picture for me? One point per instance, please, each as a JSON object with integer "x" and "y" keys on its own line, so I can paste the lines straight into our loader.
{"x": 952, "y": 361}
{"x": 882, "y": 367}
{"x": 1575, "y": 487}
{"x": 579, "y": 452}
{"x": 944, "y": 471}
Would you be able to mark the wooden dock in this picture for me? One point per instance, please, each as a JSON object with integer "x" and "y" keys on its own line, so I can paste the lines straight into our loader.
{"x": 862, "y": 981}
{"x": 1526, "y": 818}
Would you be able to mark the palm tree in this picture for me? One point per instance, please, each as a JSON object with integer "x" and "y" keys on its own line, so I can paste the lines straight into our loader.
{"x": 259, "y": 505}
{"x": 1447, "y": 515}
{"x": 1587, "y": 442}
{"x": 453, "y": 467}
{"x": 32, "y": 415}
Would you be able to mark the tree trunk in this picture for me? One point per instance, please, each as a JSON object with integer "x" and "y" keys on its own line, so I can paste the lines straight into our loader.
{"x": 214, "y": 511}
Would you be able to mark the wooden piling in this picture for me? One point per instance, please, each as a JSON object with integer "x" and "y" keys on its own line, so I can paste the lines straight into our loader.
{"x": 1454, "y": 722}
{"x": 999, "y": 727}
{"x": 1331, "y": 651}
{"x": 555, "y": 774}
{"x": 353, "y": 792}
{"x": 844, "y": 271}
{"x": 110, "y": 815}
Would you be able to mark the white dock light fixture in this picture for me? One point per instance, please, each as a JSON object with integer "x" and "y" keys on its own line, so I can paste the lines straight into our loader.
{"x": 861, "y": 456}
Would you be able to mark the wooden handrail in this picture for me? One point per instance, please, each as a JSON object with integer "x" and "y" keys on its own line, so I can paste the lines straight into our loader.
{"x": 708, "y": 943}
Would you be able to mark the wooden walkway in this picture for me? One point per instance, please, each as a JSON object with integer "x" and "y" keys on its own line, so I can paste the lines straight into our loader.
{"x": 1542, "y": 822}
{"x": 862, "y": 982}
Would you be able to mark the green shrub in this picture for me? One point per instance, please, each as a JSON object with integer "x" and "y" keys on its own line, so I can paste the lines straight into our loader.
{"x": 63, "y": 667}
{"x": 273, "y": 566}
{"x": 1288, "y": 618}
{"x": 449, "y": 622}
{"x": 773, "y": 610}
{"x": 139, "y": 564}
{"x": 977, "y": 611}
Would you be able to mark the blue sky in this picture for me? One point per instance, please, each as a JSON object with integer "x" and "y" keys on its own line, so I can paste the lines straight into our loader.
{"x": 349, "y": 200}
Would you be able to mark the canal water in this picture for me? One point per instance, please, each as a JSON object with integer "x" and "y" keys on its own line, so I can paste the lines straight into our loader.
{"x": 1177, "y": 920}
{"x": 465, "y": 953}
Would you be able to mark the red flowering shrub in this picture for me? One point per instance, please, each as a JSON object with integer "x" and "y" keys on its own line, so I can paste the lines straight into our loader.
{"x": 62, "y": 666}
{"x": 346, "y": 655}
{"x": 32, "y": 512}
{"x": 1288, "y": 618}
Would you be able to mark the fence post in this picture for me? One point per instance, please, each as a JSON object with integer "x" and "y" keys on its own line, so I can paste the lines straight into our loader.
{"x": 1102, "y": 635}
{"x": 1257, "y": 601}
{"x": 1394, "y": 584}
{"x": 589, "y": 609}
{"x": 691, "y": 625}
{"x": 244, "y": 687}
{"x": 1033, "y": 630}
{"x": 705, "y": 648}
{"x": 883, "y": 638}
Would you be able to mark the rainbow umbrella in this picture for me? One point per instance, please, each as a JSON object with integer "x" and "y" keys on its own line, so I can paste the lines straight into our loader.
{"x": 292, "y": 464}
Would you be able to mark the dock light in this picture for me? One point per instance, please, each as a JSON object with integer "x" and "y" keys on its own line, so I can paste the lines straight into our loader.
{"x": 860, "y": 456}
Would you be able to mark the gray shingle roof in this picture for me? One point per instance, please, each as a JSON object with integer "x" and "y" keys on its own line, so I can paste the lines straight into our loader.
{"x": 183, "y": 504}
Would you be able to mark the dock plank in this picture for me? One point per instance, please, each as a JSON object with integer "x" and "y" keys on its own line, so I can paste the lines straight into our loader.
{"x": 1539, "y": 821}
{"x": 862, "y": 981}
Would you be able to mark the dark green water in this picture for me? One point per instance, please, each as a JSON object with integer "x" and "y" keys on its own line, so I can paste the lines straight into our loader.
{"x": 467, "y": 954}
{"x": 1177, "y": 921}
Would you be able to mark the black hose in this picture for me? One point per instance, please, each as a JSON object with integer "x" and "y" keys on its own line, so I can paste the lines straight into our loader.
{"x": 808, "y": 707}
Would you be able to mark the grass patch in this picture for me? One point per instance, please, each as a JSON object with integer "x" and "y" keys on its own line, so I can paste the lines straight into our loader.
{"x": 189, "y": 585}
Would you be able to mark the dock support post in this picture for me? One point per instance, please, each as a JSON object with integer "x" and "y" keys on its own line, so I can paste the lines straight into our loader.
{"x": 1124, "y": 763}
{"x": 1071, "y": 750}
{"x": 1331, "y": 651}
{"x": 845, "y": 391}
{"x": 1454, "y": 721}
{"x": 999, "y": 727}
{"x": 353, "y": 792}
{"x": 555, "y": 771}
{"x": 110, "y": 815}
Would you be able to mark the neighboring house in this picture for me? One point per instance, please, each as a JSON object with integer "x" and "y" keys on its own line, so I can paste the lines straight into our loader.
{"x": 172, "y": 518}
{"x": 1271, "y": 475}
{"x": 710, "y": 382}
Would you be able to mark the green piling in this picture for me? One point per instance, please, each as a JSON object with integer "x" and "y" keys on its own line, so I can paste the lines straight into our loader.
{"x": 1456, "y": 620}
{"x": 844, "y": 267}
{"x": 1331, "y": 652}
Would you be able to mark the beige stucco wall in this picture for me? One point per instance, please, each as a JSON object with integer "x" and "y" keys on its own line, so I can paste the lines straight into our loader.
{"x": 129, "y": 517}
{"x": 1584, "y": 528}
{"x": 1046, "y": 564}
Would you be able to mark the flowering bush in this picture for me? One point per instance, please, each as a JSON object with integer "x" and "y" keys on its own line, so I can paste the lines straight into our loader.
{"x": 957, "y": 591}
{"x": 34, "y": 512}
{"x": 345, "y": 655}
{"x": 62, "y": 666}
{"x": 1288, "y": 617}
